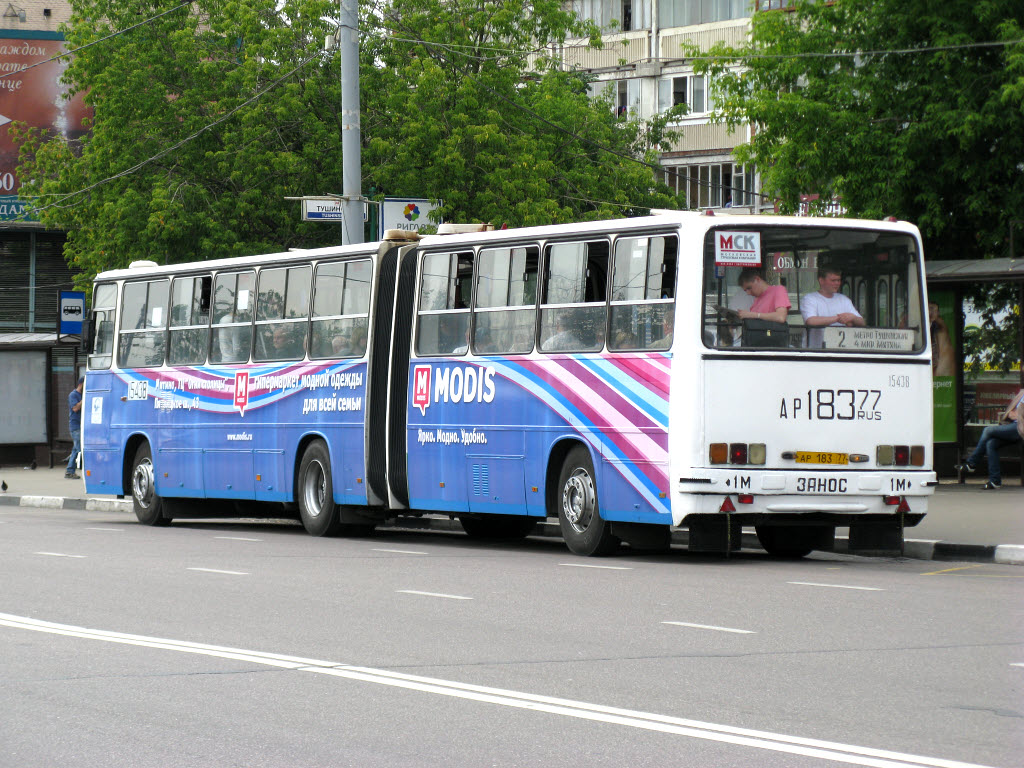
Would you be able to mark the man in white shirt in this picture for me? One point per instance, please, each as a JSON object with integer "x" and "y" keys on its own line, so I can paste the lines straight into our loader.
{"x": 827, "y": 306}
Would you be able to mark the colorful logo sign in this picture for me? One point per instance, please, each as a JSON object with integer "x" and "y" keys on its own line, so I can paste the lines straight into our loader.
{"x": 411, "y": 212}
{"x": 421, "y": 388}
{"x": 242, "y": 391}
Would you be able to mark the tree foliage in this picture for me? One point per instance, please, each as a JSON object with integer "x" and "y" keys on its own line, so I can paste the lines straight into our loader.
{"x": 208, "y": 117}
{"x": 897, "y": 107}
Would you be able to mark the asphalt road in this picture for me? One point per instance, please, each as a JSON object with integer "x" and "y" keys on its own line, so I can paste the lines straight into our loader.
{"x": 238, "y": 644}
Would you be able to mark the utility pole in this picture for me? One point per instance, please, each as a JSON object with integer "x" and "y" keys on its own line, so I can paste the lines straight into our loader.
{"x": 348, "y": 42}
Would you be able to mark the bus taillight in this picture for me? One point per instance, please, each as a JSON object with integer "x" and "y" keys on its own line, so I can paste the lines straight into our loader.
{"x": 899, "y": 455}
{"x": 737, "y": 453}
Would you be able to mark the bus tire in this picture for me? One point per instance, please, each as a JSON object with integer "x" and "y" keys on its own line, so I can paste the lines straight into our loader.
{"x": 579, "y": 514}
{"x": 497, "y": 527}
{"x": 786, "y": 541}
{"x": 149, "y": 507}
{"x": 315, "y": 491}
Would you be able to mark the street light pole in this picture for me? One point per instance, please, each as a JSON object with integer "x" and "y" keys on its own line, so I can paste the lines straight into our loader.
{"x": 348, "y": 42}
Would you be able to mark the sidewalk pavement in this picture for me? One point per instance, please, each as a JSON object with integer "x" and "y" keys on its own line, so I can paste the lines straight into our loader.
{"x": 964, "y": 522}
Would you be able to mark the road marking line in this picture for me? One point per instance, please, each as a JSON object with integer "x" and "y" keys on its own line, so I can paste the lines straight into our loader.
{"x": 58, "y": 554}
{"x": 402, "y": 551}
{"x": 606, "y": 567}
{"x": 433, "y": 594}
{"x": 836, "y": 586}
{"x": 104, "y": 529}
{"x": 950, "y": 570}
{"x": 710, "y": 626}
{"x": 216, "y": 570}
{"x": 776, "y": 742}
{"x": 1016, "y": 664}
{"x": 237, "y": 538}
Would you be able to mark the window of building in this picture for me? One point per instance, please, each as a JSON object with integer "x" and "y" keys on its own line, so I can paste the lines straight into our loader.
{"x": 190, "y": 320}
{"x": 682, "y": 13}
{"x": 143, "y": 325}
{"x": 341, "y": 306}
{"x": 688, "y": 90}
{"x": 627, "y": 101}
{"x": 713, "y": 185}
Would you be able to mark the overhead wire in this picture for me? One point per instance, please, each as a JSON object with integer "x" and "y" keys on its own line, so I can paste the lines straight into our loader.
{"x": 67, "y": 54}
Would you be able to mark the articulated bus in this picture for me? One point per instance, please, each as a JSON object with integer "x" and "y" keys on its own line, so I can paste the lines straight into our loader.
{"x": 596, "y": 373}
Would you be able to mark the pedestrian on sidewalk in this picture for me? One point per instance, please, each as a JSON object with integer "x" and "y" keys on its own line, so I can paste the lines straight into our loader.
{"x": 994, "y": 437}
{"x": 75, "y": 425}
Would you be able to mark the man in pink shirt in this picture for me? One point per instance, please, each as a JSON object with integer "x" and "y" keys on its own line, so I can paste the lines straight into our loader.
{"x": 771, "y": 302}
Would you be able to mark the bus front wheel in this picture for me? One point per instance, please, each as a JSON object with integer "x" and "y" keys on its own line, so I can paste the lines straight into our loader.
{"x": 316, "y": 492}
{"x": 149, "y": 507}
{"x": 579, "y": 515}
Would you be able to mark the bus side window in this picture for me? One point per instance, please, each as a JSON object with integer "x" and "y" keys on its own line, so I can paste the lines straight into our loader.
{"x": 442, "y": 323}
{"x": 143, "y": 325}
{"x": 233, "y": 299}
{"x": 643, "y": 287}
{"x": 341, "y": 305}
{"x": 101, "y": 348}
{"x": 572, "y": 314}
{"x": 282, "y": 313}
{"x": 190, "y": 320}
{"x": 506, "y": 296}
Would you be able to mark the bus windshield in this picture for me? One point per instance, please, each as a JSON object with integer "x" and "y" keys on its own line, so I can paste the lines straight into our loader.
{"x": 840, "y": 290}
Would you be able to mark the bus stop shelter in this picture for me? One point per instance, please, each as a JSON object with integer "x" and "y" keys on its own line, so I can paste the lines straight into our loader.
{"x": 966, "y": 401}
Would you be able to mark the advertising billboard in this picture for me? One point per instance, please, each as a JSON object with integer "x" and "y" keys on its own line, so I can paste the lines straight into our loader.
{"x": 31, "y": 92}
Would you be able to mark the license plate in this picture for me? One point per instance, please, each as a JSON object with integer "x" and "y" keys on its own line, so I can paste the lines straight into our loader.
{"x": 812, "y": 457}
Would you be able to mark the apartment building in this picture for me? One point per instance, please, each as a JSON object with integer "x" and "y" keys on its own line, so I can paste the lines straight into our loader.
{"x": 643, "y": 65}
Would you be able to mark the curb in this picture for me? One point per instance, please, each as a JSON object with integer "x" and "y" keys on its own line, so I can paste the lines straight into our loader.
{"x": 913, "y": 549}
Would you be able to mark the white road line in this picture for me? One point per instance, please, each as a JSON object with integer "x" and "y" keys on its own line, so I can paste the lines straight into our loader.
{"x": 402, "y": 551}
{"x": 432, "y": 594}
{"x": 711, "y": 626}
{"x": 216, "y": 570}
{"x": 58, "y": 554}
{"x": 776, "y": 742}
{"x": 104, "y": 529}
{"x": 836, "y": 586}
{"x": 606, "y": 567}
{"x": 1015, "y": 664}
{"x": 237, "y": 538}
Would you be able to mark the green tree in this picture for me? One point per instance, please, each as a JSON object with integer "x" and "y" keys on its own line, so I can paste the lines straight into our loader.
{"x": 898, "y": 107}
{"x": 208, "y": 117}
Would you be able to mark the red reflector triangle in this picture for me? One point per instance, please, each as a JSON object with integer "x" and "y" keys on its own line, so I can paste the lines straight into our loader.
{"x": 727, "y": 506}
{"x": 903, "y": 507}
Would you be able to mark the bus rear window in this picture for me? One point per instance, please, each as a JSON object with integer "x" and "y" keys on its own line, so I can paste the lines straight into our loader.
{"x": 812, "y": 288}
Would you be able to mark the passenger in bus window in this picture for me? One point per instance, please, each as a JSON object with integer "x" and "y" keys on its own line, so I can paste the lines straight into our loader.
{"x": 668, "y": 320}
{"x": 771, "y": 302}
{"x": 827, "y": 306}
{"x": 286, "y": 345}
{"x": 564, "y": 338}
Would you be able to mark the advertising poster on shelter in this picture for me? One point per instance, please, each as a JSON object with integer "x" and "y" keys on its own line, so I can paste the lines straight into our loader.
{"x": 942, "y": 326}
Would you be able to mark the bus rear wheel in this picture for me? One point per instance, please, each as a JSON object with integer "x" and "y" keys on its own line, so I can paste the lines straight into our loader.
{"x": 149, "y": 507}
{"x": 786, "y": 541}
{"x": 579, "y": 514}
{"x": 315, "y": 488}
{"x": 497, "y": 527}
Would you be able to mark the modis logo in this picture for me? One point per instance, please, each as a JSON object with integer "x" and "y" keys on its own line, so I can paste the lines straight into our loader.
{"x": 421, "y": 388}
{"x": 459, "y": 384}
{"x": 242, "y": 391}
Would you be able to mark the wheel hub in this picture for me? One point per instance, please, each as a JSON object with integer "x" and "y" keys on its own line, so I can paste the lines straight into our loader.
{"x": 314, "y": 488}
{"x": 143, "y": 483}
{"x": 578, "y": 500}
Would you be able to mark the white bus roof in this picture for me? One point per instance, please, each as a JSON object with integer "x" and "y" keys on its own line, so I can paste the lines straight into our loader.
{"x": 693, "y": 220}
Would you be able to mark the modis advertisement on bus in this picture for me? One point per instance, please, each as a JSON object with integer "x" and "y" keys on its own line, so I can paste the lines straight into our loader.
{"x": 455, "y": 384}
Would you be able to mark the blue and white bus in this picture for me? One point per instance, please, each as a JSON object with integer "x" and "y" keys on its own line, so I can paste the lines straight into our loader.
{"x": 609, "y": 374}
